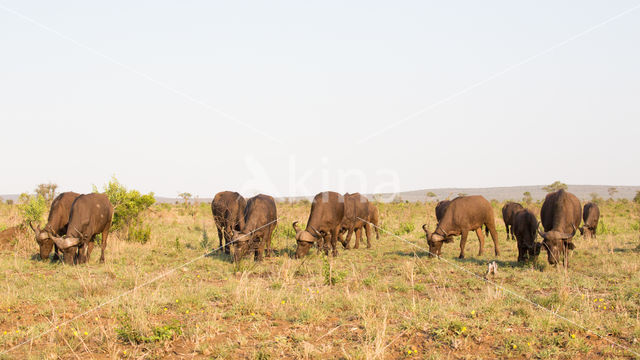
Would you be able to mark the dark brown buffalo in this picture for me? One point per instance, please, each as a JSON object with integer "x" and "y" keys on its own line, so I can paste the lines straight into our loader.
{"x": 56, "y": 224}
{"x": 356, "y": 215}
{"x": 90, "y": 215}
{"x": 441, "y": 206}
{"x": 463, "y": 214}
{"x": 374, "y": 218}
{"x": 327, "y": 210}
{"x": 260, "y": 220}
{"x": 508, "y": 211}
{"x": 524, "y": 225}
{"x": 561, "y": 214}
{"x": 227, "y": 208}
{"x": 590, "y": 216}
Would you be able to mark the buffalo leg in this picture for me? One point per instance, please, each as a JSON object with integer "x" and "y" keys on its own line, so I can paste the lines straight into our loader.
{"x": 56, "y": 251}
{"x": 494, "y": 237}
{"x": 267, "y": 242}
{"x": 103, "y": 245}
{"x": 358, "y": 232}
{"x": 367, "y": 229}
{"x": 220, "y": 236}
{"x": 481, "y": 239}
{"x": 507, "y": 227}
{"x": 260, "y": 248}
{"x": 463, "y": 243}
{"x": 347, "y": 239}
{"x": 334, "y": 242}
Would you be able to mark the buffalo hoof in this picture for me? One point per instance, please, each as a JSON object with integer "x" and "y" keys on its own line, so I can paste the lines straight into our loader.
{"x": 461, "y": 256}
{"x": 357, "y": 247}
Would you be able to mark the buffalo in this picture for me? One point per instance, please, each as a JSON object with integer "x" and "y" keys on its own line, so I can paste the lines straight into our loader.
{"x": 374, "y": 218}
{"x": 508, "y": 211}
{"x": 56, "y": 224}
{"x": 227, "y": 208}
{"x": 441, "y": 206}
{"x": 90, "y": 215}
{"x": 356, "y": 216}
{"x": 260, "y": 220}
{"x": 462, "y": 215}
{"x": 590, "y": 216}
{"x": 325, "y": 218}
{"x": 561, "y": 214}
{"x": 524, "y": 225}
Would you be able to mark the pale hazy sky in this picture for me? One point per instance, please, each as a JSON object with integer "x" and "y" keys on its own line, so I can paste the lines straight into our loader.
{"x": 277, "y": 96}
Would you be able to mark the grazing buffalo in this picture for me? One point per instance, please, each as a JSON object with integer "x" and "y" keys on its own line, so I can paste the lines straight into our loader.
{"x": 463, "y": 214}
{"x": 441, "y": 206}
{"x": 56, "y": 224}
{"x": 260, "y": 220}
{"x": 561, "y": 214}
{"x": 90, "y": 215}
{"x": 590, "y": 216}
{"x": 356, "y": 215}
{"x": 227, "y": 208}
{"x": 374, "y": 218}
{"x": 524, "y": 225}
{"x": 508, "y": 211}
{"x": 327, "y": 210}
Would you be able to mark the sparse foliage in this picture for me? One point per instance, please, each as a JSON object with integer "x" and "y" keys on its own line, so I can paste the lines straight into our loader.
{"x": 557, "y": 185}
{"x": 47, "y": 191}
{"x": 431, "y": 194}
{"x": 612, "y": 191}
{"x": 595, "y": 198}
{"x": 32, "y": 207}
{"x": 527, "y": 198}
{"x": 636, "y": 198}
{"x": 127, "y": 204}
{"x": 185, "y": 197}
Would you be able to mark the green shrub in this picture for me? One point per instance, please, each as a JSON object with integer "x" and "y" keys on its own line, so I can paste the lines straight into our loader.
{"x": 138, "y": 232}
{"x": 404, "y": 228}
{"x": 128, "y": 334}
{"x": 204, "y": 243}
{"x": 331, "y": 275}
{"x": 127, "y": 204}
{"x": 32, "y": 208}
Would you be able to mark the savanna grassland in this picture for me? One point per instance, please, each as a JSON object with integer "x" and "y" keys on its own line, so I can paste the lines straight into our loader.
{"x": 388, "y": 302}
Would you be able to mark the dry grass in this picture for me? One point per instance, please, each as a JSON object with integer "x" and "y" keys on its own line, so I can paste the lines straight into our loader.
{"x": 388, "y": 302}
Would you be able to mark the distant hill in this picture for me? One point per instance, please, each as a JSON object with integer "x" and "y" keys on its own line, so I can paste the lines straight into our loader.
{"x": 583, "y": 192}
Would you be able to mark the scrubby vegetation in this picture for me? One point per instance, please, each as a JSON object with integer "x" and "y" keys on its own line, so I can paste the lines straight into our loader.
{"x": 389, "y": 302}
{"x": 128, "y": 205}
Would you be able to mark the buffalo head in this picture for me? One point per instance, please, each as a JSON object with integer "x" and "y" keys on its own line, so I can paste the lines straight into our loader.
{"x": 435, "y": 240}
{"x": 557, "y": 244}
{"x": 69, "y": 246}
{"x": 242, "y": 243}
{"x": 44, "y": 241}
{"x": 304, "y": 239}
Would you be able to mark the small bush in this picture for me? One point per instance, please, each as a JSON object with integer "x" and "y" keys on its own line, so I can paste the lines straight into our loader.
{"x": 128, "y": 334}
{"x": 331, "y": 276}
{"x": 138, "y": 232}
{"x": 127, "y": 204}
{"x": 404, "y": 228}
{"x": 32, "y": 208}
{"x": 204, "y": 243}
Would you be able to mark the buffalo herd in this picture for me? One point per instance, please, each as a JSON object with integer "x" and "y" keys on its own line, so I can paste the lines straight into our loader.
{"x": 247, "y": 226}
